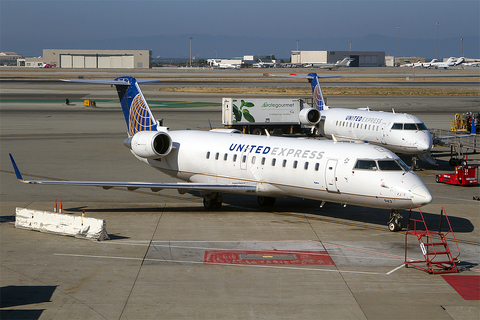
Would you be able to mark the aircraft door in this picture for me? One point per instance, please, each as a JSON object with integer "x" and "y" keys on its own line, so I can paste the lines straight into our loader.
{"x": 383, "y": 133}
{"x": 330, "y": 175}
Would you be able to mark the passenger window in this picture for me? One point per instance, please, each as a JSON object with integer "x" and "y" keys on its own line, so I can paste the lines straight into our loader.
{"x": 366, "y": 165}
{"x": 295, "y": 164}
{"x": 397, "y": 126}
{"x": 234, "y": 158}
{"x": 253, "y": 160}
{"x": 317, "y": 165}
{"x": 216, "y": 156}
{"x": 263, "y": 161}
{"x": 306, "y": 166}
{"x": 273, "y": 162}
{"x": 208, "y": 155}
{"x": 225, "y": 156}
{"x": 284, "y": 163}
{"x": 244, "y": 159}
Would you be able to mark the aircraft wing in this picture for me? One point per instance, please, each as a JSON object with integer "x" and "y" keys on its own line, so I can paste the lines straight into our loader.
{"x": 293, "y": 75}
{"x": 113, "y": 82}
{"x": 181, "y": 187}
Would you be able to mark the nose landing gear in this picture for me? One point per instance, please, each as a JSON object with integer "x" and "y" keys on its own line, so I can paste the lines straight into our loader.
{"x": 394, "y": 224}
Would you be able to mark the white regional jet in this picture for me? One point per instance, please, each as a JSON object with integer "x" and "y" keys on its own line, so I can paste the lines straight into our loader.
{"x": 398, "y": 132}
{"x": 222, "y": 161}
{"x": 451, "y": 62}
{"x": 345, "y": 62}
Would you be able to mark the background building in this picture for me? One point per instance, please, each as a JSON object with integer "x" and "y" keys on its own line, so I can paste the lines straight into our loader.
{"x": 101, "y": 59}
{"x": 361, "y": 58}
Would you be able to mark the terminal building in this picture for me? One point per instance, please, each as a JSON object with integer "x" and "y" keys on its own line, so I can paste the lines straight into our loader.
{"x": 96, "y": 59}
{"x": 361, "y": 58}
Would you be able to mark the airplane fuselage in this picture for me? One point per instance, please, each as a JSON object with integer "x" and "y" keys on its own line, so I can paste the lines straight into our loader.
{"x": 286, "y": 167}
{"x": 397, "y": 132}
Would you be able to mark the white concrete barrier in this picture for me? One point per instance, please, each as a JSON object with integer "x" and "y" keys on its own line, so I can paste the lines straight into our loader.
{"x": 64, "y": 224}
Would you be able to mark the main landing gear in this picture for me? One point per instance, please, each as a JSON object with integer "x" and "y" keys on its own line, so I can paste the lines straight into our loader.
{"x": 394, "y": 224}
{"x": 212, "y": 201}
{"x": 266, "y": 201}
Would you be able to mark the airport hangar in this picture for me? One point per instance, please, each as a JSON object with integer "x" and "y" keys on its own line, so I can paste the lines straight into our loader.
{"x": 361, "y": 58}
{"x": 101, "y": 59}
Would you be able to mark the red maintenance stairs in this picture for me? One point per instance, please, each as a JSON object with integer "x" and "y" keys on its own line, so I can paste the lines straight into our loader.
{"x": 436, "y": 252}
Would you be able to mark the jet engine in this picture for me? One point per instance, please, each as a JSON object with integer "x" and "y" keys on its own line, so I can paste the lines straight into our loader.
{"x": 309, "y": 116}
{"x": 150, "y": 144}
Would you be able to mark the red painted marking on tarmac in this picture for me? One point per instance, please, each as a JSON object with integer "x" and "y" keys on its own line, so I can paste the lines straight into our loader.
{"x": 274, "y": 257}
{"x": 466, "y": 286}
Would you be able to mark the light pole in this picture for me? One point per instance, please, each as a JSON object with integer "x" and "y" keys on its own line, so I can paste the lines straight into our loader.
{"x": 191, "y": 51}
{"x": 297, "y": 46}
{"x": 436, "y": 52}
{"x": 398, "y": 39}
{"x": 462, "y": 47}
{"x": 350, "y": 45}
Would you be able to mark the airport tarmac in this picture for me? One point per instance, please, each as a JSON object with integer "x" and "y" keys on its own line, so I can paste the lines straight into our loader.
{"x": 169, "y": 258}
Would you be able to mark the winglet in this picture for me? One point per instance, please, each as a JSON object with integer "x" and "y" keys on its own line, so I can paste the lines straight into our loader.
{"x": 17, "y": 172}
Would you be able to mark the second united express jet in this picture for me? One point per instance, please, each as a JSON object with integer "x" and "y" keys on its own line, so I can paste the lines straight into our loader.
{"x": 398, "y": 132}
{"x": 217, "y": 162}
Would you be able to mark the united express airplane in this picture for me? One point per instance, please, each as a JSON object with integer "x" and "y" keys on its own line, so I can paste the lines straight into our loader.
{"x": 223, "y": 161}
{"x": 398, "y": 132}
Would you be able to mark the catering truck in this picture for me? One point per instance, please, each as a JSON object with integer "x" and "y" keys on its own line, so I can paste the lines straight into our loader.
{"x": 277, "y": 116}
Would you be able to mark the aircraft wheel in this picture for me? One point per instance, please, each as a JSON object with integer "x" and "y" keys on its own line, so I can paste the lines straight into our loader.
{"x": 212, "y": 202}
{"x": 266, "y": 201}
{"x": 392, "y": 226}
{"x": 208, "y": 204}
{"x": 463, "y": 162}
{"x": 257, "y": 131}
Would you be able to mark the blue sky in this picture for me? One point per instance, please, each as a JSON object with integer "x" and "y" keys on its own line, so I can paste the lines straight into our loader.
{"x": 25, "y": 25}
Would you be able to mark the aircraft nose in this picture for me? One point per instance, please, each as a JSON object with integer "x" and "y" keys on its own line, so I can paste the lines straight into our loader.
{"x": 425, "y": 144}
{"x": 421, "y": 196}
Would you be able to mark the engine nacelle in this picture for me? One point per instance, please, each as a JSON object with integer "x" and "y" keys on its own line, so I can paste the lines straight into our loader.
{"x": 150, "y": 144}
{"x": 309, "y": 116}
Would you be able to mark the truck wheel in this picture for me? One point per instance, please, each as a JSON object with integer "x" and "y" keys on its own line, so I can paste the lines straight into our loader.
{"x": 437, "y": 179}
{"x": 257, "y": 131}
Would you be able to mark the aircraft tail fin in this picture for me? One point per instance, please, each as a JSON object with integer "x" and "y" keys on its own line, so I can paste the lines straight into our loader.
{"x": 138, "y": 115}
{"x": 345, "y": 62}
{"x": 318, "y": 100}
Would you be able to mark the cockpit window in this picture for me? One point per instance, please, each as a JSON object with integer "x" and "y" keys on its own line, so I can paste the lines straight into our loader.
{"x": 389, "y": 165}
{"x": 397, "y": 126}
{"x": 383, "y": 164}
{"x": 366, "y": 165}
{"x": 404, "y": 165}
{"x": 410, "y": 126}
{"x": 422, "y": 126}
